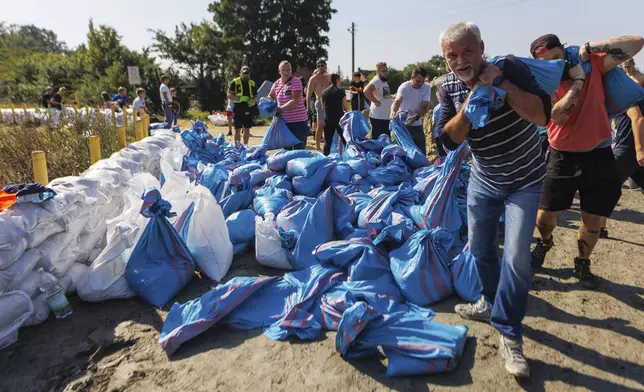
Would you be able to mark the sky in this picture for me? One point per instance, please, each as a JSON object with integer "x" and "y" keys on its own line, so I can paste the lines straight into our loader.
{"x": 398, "y": 32}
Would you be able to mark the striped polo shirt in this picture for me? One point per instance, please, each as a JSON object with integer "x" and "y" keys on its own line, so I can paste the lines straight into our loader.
{"x": 284, "y": 93}
{"x": 506, "y": 151}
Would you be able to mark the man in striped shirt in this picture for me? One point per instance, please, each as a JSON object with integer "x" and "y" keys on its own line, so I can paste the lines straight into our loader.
{"x": 507, "y": 171}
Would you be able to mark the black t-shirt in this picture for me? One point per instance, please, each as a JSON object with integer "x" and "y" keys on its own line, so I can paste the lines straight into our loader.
{"x": 332, "y": 98}
{"x": 58, "y": 101}
{"x": 357, "y": 99}
{"x": 624, "y": 140}
{"x": 46, "y": 97}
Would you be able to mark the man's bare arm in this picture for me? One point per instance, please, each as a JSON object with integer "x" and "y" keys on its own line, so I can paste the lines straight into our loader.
{"x": 309, "y": 91}
{"x": 637, "y": 121}
{"x": 458, "y": 128}
{"x": 562, "y": 110}
{"x": 396, "y": 105}
{"x": 424, "y": 108}
{"x": 617, "y": 50}
{"x": 368, "y": 92}
{"x": 527, "y": 105}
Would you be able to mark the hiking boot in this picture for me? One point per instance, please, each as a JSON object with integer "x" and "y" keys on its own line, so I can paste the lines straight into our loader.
{"x": 481, "y": 310}
{"x": 512, "y": 352}
{"x": 603, "y": 233}
{"x": 539, "y": 252}
{"x": 582, "y": 273}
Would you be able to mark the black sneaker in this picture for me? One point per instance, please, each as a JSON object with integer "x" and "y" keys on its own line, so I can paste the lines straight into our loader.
{"x": 582, "y": 272}
{"x": 603, "y": 233}
{"x": 539, "y": 252}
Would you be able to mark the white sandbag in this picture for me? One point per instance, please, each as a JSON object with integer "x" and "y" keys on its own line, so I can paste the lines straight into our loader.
{"x": 76, "y": 219}
{"x": 12, "y": 276}
{"x": 75, "y": 273}
{"x": 54, "y": 260}
{"x": 42, "y": 232}
{"x": 31, "y": 215}
{"x": 134, "y": 154}
{"x": 175, "y": 181}
{"x": 41, "y": 311}
{"x": 105, "y": 278}
{"x": 64, "y": 201}
{"x": 87, "y": 242}
{"x": 98, "y": 214}
{"x": 31, "y": 284}
{"x": 108, "y": 176}
{"x": 15, "y": 308}
{"x": 11, "y": 253}
{"x": 142, "y": 181}
{"x": 207, "y": 235}
{"x": 11, "y": 231}
{"x": 87, "y": 186}
{"x": 94, "y": 254}
{"x": 118, "y": 164}
{"x": 268, "y": 248}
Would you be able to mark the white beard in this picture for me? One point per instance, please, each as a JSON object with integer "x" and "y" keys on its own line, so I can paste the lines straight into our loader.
{"x": 467, "y": 78}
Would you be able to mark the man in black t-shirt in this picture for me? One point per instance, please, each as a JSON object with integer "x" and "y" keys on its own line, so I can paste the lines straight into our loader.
{"x": 357, "y": 93}
{"x": 56, "y": 101}
{"x": 334, "y": 101}
{"x": 46, "y": 96}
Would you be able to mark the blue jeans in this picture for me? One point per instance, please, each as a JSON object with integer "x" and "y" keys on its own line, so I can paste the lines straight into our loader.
{"x": 506, "y": 283}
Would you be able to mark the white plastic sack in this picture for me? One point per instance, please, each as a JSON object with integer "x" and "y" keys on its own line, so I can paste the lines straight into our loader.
{"x": 110, "y": 177}
{"x": 64, "y": 201}
{"x": 174, "y": 181}
{"x": 31, "y": 284}
{"x": 75, "y": 273}
{"x": 31, "y": 215}
{"x": 207, "y": 234}
{"x": 15, "y": 308}
{"x": 11, "y": 277}
{"x": 11, "y": 231}
{"x": 142, "y": 181}
{"x": 84, "y": 185}
{"x": 119, "y": 164}
{"x": 42, "y": 232}
{"x": 94, "y": 253}
{"x": 105, "y": 278}
{"x": 87, "y": 242}
{"x": 41, "y": 307}
{"x": 218, "y": 120}
{"x": 268, "y": 249}
{"x": 57, "y": 252}
{"x": 11, "y": 253}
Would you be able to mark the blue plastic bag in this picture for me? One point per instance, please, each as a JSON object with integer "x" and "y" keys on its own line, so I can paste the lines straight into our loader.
{"x": 359, "y": 256}
{"x": 269, "y": 204}
{"x": 377, "y": 215}
{"x": 421, "y": 267}
{"x": 305, "y": 166}
{"x": 258, "y": 177}
{"x": 290, "y": 221}
{"x": 278, "y": 135}
{"x": 215, "y": 177}
{"x": 241, "y": 226}
{"x": 267, "y": 107}
{"x": 482, "y": 102}
{"x": 413, "y": 156}
{"x": 161, "y": 264}
{"x": 465, "y": 277}
{"x": 546, "y": 73}
{"x": 278, "y": 161}
{"x": 340, "y": 173}
{"x": 312, "y": 185}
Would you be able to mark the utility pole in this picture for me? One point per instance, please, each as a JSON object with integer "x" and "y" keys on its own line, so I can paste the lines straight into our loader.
{"x": 352, "y": 30}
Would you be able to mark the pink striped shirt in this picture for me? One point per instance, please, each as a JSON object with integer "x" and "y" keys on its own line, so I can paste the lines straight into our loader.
{"x": 284, "y": 93}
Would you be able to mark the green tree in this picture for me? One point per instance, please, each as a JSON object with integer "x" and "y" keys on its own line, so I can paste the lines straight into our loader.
{"x": 29, "y": 38}
{"x": 264, "y": 32}
{"x": 197, "y": 50}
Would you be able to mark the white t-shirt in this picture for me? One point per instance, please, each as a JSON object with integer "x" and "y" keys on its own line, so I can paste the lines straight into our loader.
{"x": 382, "y": 94}
{"x": 138, "y": 104}
{"x": 413, "y": 99}
{"x": 165, "y": 89}
{"x": 229, "y": 108}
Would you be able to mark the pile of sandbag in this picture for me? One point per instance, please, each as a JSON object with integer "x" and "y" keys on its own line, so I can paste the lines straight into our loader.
{"x": 66, "y": 239}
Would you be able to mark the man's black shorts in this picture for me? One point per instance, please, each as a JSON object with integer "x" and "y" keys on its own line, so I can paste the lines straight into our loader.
{"x": 242, "y": 116}
{"x": 594, "y": 174}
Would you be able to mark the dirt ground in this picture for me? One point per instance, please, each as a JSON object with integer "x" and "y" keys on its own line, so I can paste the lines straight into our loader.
{"x": 574, "y": 339}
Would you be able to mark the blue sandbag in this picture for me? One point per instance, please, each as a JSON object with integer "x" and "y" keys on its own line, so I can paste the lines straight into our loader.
{"x": 214, "y": 177}
{"x": 305, "y": 166}
{"x": 393, "y": 173}
{"x": 482, "y": 102}
{"x": 269, "y": 205}
{"x": 267, "y": 107}
{"x": 377, "y": 214}
{"x": 390, "y": 152}
{"x": 360, "y": 184}
{"x": 236, "y": 202}
{"x": 400, "y": 228}
{"x": 362, "y": 259}
{"x": 290, "y": 221}
{"x": 259, "y": 176}
{"x": 328, "y": 220}
{"x": 161, "y": 264}
{"x": 546, "y": 73}
{"x": 620, "y": 91}
{"x": 241, "y": 226}
{"x": 360, "y": 200}
{"x": 413, "y": 156}
{"x": 278, "y": 161}
{"x": 239, "y": 249}
{"x": 312, "y": 185}
{"x": 278, "y": 135}
{"x": 466, "y": 277}
{"x": 354, "y": 126}
{"x": 425, "y": 186}
{"x": 421, "y": 267}
{"x": 246, "y": 168}
{"x": 341, "y": 173}
{"x": 279, "y": 181}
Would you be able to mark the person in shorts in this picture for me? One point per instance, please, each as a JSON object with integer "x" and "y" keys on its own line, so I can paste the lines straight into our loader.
{"x": 229, "y": 116}
{"x": 243, "y": 93}
{"x": 319, "y": 82}
{"x": 580, "y": 158}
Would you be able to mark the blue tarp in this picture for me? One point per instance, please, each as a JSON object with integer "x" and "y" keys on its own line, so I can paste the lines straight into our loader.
{"x": 482, "y": 102}
{"x": 413, "y": 156}
{"x": 278, "y": 135}
{"x": 161, "y": 264}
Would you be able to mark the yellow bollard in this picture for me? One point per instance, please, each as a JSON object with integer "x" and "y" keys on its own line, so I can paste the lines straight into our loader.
{"x": 138, "y": 129}
{"x": 113, "y": 116}
{"x": 94, "y": 149}
{"x": 122, "y": 138}
{"x": 146, "y": 125}
{"x": 40, "y": 167}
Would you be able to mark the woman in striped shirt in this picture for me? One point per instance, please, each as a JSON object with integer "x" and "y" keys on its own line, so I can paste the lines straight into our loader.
{"x": 288, "y": 92}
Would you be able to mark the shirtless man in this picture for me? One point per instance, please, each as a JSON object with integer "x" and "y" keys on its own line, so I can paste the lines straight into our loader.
{"x": 629, "y": 68}
{"x": 317, "y": 84}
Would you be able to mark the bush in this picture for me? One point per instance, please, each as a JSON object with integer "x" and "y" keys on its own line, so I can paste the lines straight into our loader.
{"x": 196, "y": 114}
{"x": 66, "y": 148}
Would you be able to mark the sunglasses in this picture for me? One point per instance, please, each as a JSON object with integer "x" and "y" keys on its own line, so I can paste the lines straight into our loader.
{"x": 321, "y": 65}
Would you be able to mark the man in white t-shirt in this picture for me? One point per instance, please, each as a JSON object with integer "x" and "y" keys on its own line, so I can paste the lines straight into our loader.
{"x": 139, "y": 103}
{"x": 413, "y": 97}
{"x": 166, "y": 98}
{"x": 378, "y": 92}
